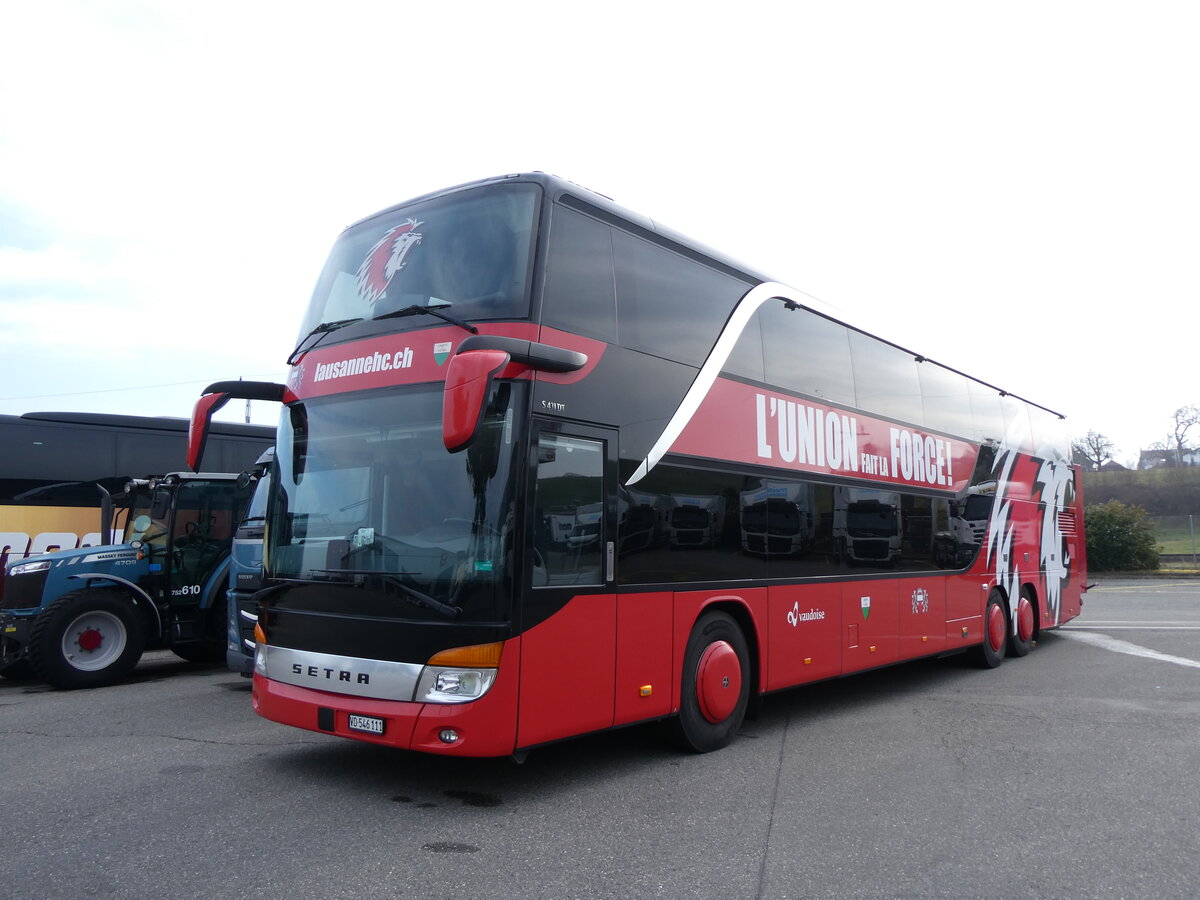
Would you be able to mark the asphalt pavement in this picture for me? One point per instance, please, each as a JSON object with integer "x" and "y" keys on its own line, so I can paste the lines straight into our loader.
{"x": 1069, "y": 773}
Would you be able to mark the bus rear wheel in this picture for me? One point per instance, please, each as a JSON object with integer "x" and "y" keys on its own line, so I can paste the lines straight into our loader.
{"x": 715, "y": 688}
{"x": 85, "y": 639}
{"x": 1020, "y": 642}
{"x": 990, "y": 653}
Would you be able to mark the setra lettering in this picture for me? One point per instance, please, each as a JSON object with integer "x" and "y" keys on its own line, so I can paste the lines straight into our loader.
{"x": 330, "y": 674}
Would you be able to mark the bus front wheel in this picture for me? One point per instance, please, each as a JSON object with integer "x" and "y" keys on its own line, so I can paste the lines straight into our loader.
{"x": 85, "y": 639}
{"x": 715, "y": 687}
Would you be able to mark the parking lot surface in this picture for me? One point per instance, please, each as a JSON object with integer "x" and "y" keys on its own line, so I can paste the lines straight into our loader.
{"x": 1071, "y": 772}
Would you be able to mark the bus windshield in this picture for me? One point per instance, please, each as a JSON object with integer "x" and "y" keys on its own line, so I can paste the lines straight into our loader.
{"x": 366, "y": 494}
{"x": 470, "y": 251}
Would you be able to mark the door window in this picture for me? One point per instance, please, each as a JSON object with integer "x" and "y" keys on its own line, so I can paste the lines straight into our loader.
{"x": 569, "y": 536}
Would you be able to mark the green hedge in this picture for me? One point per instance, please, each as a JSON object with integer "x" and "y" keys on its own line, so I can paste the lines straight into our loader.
{"x": 1120, "y": 538}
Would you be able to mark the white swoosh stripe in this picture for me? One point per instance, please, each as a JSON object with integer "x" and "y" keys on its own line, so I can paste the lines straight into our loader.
{"x": 738, "y": 319}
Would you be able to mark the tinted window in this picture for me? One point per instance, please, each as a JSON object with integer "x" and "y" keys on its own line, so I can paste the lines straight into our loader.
{"x": 1016, "y": 422}
{"x": 579, "y": 294}
{"x": 747, "y": 356}
{"x": 365, "y": 492}
{"x": 685, "y": 525}
{"x": 692, "y": 525}
{"x": 885, "y": 379}
{"x": 920, "y": 519}
{"x": 806, "y": 353}
{"x": 144, "y": 454}
{"x": 986, "y": 413}
{"x": 945, "y": 399}
{"x": 569, "y": 511}
{"x": 667, "y": 304}
{"x": 471, "y": 250}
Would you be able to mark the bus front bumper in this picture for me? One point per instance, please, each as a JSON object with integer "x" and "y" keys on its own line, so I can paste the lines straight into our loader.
{"x": 483, "y": 727}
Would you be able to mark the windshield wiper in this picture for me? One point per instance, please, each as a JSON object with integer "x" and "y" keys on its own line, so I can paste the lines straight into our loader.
{"x": 425, "y": 600}
{"x": 326, "y": 327}
{"x": 429, "y": 311}
{"x": 323, "y": 329}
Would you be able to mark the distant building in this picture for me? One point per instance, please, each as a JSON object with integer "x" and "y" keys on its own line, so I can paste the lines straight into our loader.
{"x": 1167, "y": 459}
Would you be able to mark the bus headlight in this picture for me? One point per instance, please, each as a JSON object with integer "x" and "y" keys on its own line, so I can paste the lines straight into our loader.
{"x": 260, "y": 661}
{"x": 446, "y": 685}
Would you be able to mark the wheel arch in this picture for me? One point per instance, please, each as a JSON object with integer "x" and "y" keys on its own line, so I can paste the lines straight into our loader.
{"x": 135, "y": 594}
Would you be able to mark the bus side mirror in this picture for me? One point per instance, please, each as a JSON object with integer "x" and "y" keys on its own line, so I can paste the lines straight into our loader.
{"x": 468, "y": 384}
{"x": 480, "y": 359}
{"x": 212, "y": 399}
{"x": 202, "y": 414}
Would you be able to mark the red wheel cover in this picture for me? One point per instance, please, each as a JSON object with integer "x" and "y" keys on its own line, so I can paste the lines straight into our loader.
{"x": 1024, "y": 619}
{"x": 995, "y": 627}
{"x": 718, "y": 681}
{"x": 90, "y": 640}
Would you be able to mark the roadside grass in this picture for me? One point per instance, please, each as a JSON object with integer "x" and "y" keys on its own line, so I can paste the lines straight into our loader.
{"x": 1173, "y": 537}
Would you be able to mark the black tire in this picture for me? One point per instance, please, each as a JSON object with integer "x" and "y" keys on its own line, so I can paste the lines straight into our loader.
{"x": 716, "y": 657}
{"x": 1020, "y": 641}
{"x": 210, "y": 648}
{"x": 990, "y": 653}
{"x": 19, "y": 670}
{"x": 201, "y": 652}
{"x": 86, "y": 638}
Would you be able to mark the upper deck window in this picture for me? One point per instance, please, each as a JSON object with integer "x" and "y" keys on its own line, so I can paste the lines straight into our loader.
{"x": 606, "y": 283}
{"x": 668, "y": 305}
{"x": 471, "y": 251}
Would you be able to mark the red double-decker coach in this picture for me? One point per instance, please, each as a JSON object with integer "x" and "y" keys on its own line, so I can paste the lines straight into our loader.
{"x": 545, "y": 468}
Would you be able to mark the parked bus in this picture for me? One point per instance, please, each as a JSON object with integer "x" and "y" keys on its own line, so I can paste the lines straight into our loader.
{"x": 482, "y": 366}
{"x": 52, "y": 462}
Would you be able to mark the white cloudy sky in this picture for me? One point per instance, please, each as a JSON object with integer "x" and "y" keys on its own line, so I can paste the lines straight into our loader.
{"x": 1011, "y": 189}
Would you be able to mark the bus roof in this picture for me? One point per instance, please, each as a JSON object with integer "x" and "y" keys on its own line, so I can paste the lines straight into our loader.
{"x": 601, "y": 206}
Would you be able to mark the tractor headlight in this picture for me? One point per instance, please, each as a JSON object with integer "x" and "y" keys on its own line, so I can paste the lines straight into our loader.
{"x": 29, "y": 568}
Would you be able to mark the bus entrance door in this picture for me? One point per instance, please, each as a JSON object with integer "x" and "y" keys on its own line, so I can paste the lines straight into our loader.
{"x": 568, "y": 654}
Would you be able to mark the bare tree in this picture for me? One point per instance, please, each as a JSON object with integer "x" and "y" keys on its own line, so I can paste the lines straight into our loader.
{"x": 1184, "y": 419}
{"x": 1094, "y": 448}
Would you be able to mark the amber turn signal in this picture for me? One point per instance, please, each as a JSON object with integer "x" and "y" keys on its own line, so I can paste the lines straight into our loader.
{"x": 481, "y": 655}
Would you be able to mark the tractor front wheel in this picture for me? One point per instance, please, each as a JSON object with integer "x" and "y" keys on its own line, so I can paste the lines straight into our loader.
{"x": 86, "y": 638}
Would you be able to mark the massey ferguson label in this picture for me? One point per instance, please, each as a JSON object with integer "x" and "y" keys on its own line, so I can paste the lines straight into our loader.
{"x": 752, "y": 425}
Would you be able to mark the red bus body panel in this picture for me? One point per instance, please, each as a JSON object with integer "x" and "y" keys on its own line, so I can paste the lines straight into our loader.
{"x": 646, "y": 658}
{"x": 568, "y": 670}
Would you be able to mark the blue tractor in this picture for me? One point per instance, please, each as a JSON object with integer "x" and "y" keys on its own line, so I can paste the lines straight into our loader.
{"x": 82, "y": 618}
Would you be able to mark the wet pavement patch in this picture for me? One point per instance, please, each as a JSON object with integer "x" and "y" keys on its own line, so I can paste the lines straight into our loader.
{"x": 473, "y": 798}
